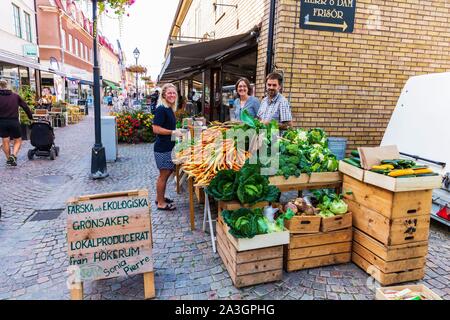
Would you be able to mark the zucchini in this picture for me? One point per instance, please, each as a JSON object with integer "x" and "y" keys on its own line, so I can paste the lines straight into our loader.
{"x": 427, "y": 174}
{"x": 407, "y": 176}
{"x": 357, "y": 160}
{"x": 355, "y": 153}
{"x": 351, "y": 162}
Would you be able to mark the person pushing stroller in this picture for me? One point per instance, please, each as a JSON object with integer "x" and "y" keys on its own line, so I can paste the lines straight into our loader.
{"x": 9, "y": 121}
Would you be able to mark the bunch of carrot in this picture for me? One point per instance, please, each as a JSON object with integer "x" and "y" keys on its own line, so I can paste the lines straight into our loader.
{"x": 203, "y": 160}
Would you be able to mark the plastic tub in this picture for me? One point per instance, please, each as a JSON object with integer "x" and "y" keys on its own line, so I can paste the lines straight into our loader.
{"x": 338, "y": 146}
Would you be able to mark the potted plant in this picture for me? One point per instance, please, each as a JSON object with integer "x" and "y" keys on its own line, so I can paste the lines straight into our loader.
{"x": 29, "y": 96}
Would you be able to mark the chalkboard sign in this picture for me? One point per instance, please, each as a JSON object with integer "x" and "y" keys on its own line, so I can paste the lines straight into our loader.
{"x": 328, "y": 15}
{"x": 109, "y": 235}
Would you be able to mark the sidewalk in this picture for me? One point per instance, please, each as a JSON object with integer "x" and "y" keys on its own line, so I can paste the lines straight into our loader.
{"x": 33, "y": 254}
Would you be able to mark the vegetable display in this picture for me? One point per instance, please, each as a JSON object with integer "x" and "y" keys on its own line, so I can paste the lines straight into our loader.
{"x": 247, "y": 223}
{"x": 395, "y": 168}
{"x": 304, "y": 151}
{"x": 248, "y": 186}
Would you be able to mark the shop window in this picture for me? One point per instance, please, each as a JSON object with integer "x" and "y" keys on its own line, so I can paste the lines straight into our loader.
{"x": 17, "y": 21}
{"x": 28, "y": 27}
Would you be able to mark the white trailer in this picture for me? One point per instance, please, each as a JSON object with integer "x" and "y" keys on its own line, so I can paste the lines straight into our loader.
{"x": 420, "y": 127}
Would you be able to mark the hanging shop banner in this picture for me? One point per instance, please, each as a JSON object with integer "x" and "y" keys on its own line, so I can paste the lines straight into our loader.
{"x": 328, "y": 15}
{"x": 109, "y": 235}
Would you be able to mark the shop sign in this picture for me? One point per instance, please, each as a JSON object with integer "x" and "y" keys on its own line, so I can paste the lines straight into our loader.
{"x": 109, "y": 235}
{"x": 30, "y": 50}
{"x": 328, "y": 15}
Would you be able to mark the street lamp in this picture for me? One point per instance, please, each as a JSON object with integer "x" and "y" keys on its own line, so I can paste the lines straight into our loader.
{"x": 137, "y": 53}
{"x": 98, "y": 160}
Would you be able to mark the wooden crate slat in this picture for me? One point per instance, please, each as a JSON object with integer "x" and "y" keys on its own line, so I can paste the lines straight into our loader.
{"x": 236, "y": 205}
{"x": 391, "y": 253}
{"x": 336, "y": 223}
{"x": 387, "y": 279}
{"x": 259, "y": 278}
{"x": 299, "y": 264}
{"x": 302, "y": 241}
{"x": 259, "y": 266}
{"x": 316, "y": 251}
{"x": 325, "y": 177}
{"x": 389, "y": 267}
{"x": 303, "y": 224}
{"x": 351, "y": 171}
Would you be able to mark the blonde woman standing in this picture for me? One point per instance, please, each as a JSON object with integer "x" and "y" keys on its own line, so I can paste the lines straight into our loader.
{"x": 164, "y": 126}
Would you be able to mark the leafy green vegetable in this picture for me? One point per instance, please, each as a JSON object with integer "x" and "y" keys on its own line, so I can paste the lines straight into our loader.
{"x": 223, "y": 187}
{"x": 330, "y": 203}
{"x": 253, "y": 187}
{"x": 247, "y": 223}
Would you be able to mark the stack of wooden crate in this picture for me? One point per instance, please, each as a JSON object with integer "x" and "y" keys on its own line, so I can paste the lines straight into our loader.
{"x": 316, "y": 242}
{"x": 250, "y": 261}
{"x": 391, "y": 230}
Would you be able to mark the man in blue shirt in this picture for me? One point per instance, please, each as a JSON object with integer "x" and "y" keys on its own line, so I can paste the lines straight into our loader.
{"x": 274, "y": 106}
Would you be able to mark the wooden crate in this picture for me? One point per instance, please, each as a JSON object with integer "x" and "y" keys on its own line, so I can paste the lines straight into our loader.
{"x": 389, "y": 231}
{"x": 303, "y": 224}
{"x": 387, "y": 278}
{"x": 325, "y": 177}
{"x": 381, "y": 292}
{"x": 249, "y": 267}
{"x": 280, "y": 181}
{"x": 336, "y": 223}
{"x": 257, "y": 242}
{"x": 391, "y": 253}
{"x": 390, "y": 204}
{"x": 402, "y": 184}
{"x": 352, "y": 171}
{"x": 316, "y": 250}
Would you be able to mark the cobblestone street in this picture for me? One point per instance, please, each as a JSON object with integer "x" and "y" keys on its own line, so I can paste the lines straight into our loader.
{"x": 33, "y": 254}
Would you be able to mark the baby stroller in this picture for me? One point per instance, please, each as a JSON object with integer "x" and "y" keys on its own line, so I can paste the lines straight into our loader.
{"x": 43, "y": 139}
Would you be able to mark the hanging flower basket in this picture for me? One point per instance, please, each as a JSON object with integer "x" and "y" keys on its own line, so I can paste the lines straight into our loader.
{"x": 137, "y": 69}
{"x": 119, "y": 6}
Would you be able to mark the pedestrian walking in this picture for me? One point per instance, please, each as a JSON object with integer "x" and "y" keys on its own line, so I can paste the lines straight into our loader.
{"x": 245, "y": 100}
{"x": 9, "y": 121}
{"x": 164, "y": 127}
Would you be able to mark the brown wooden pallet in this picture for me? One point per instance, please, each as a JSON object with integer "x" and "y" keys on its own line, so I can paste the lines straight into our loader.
{"x": 387, "y": 279}
{"x": 250, "y": 267}
{"x": 303, "y": 224}
{"x": 389, "y": 232}
{"x": 392, "y": 205}
{"x": 336, "y": 223}
{"x": 391, "y": 253}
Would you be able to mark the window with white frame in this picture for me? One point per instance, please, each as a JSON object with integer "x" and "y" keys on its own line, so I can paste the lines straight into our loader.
{"x": 63, "y": 39}
{"x": 81, "y": 50}
{"x": 29, "y": 35}
{"x": 17, "y": 21}
{"x": 76, "y": 47}
{"x": 70, "y": 43}
{"x": 86, "y": 54}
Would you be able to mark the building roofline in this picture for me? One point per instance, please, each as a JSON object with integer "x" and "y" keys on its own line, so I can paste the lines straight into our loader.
{"x": 180, "y": 15}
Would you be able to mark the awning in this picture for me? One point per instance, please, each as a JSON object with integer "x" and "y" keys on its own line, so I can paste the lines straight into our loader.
{"x": 20, "y": 61}
{"x": 184, "y": 61}
{"x": 112, "y": 85}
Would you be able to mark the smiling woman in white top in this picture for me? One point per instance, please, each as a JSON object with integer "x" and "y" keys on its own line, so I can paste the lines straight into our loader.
{"x": 245, "y": 101}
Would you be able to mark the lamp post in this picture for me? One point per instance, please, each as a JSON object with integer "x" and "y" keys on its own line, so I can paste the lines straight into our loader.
{"x": 136, "y": 56}
{"x": 98, "y": 160}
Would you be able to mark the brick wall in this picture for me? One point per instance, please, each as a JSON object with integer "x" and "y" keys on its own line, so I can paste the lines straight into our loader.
{"x": 349, "y": 84}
